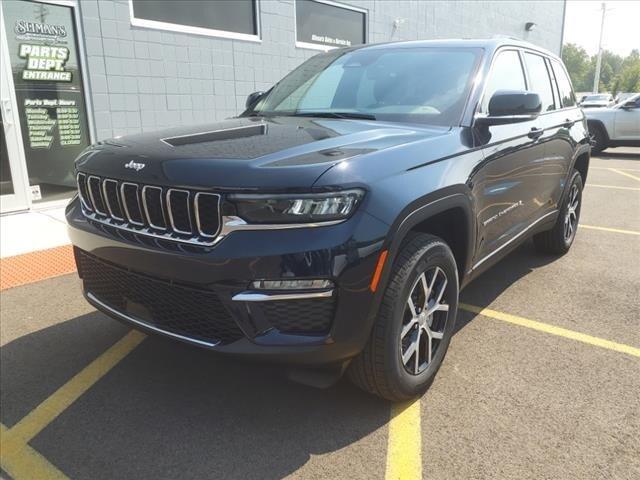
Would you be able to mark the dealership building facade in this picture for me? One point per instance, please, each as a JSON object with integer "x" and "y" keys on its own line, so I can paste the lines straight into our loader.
{"x": 77, "y": 71}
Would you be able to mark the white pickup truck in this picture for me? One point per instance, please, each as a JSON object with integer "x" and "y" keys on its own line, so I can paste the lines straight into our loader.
{"x": 615, "y": 126}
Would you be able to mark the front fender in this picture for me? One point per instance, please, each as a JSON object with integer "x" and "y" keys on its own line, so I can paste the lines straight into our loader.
{"x": 456, "y": 196}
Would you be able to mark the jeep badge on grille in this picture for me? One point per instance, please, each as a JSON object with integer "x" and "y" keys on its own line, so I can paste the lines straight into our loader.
{"x": 136, "y": 166}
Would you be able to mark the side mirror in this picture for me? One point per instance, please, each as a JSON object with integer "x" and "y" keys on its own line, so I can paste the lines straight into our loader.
{"x": 511, "y": 106}
{"x": 253, "y": 98}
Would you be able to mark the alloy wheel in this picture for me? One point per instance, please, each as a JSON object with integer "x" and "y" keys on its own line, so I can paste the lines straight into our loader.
{"x": 424, "y": 320}
{"x": 571, "y": 217}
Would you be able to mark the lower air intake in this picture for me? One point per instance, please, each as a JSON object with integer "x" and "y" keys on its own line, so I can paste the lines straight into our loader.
{"x": 178, "y": 309}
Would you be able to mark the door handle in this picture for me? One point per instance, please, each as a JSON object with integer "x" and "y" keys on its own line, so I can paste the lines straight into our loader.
{"x": 568, "y": 123}
{"x": 6, "y": 112}
{"x": 535, "y": 132}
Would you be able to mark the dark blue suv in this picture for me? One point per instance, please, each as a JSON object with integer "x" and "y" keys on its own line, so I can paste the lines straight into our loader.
{"x": 332, "y": 224}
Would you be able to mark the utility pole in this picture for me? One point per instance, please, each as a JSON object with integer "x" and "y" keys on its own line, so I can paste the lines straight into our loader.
{"x": 596, "y": 78}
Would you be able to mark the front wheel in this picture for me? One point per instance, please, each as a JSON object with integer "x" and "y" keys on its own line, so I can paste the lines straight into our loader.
{"x": 414, "y": 324}
{"x": 559, "y": 239}
{"x": 598, "y": 138}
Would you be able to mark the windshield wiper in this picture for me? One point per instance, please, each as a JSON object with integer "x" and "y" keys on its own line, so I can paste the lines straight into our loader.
{"x": 357, "y": 115}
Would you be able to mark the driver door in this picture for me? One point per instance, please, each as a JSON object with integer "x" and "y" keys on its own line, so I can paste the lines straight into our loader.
{"x": 506, "y": 184}
{"x": 627, "y": 122}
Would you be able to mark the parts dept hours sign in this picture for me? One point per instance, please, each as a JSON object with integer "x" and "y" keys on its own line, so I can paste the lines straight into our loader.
{"x": 49, "y": 90}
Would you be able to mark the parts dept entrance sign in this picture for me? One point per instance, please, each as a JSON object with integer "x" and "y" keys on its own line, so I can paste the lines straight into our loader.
{"x": 49, "y": 91}
{"x": 45, "y": 63}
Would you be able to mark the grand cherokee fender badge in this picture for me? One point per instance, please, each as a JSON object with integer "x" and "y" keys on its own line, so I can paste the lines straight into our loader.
{"x": 136, "y": 166}
{"x": 502, "y": 212}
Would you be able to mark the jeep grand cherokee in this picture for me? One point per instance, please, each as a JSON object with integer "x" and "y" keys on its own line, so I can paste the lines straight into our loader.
{"x": 332, "y": 224}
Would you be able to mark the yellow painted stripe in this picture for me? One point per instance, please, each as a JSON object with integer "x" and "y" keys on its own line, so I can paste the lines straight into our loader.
{"x": 612, "y": 230}
{"x": 404, "y": 451}
{"x": 625, "y": 174}
{"x": 553, "y": 330}
{"x": 619, "y": 168}
{"x": 613, "y": 186}
{"x": 47, "y": 411}
{"x": 23, "y": 463}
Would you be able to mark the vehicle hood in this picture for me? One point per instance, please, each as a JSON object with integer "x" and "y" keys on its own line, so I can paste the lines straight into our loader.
{"x": 245, "y": 153}
{"x": 599, "y": 113}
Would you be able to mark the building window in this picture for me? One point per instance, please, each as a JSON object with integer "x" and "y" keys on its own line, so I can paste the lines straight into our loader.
{"x": 222, "y": 18}
{"x": 322, "y": 25}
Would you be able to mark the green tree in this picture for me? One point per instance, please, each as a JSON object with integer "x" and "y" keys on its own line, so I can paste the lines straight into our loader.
{"x": 617, "y": 74}
{"x": 577, "y": 62}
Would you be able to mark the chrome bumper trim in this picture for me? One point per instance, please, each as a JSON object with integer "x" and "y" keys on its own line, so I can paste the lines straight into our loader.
{"x": 144, "y": 324}
{"x": 253, "y": 296}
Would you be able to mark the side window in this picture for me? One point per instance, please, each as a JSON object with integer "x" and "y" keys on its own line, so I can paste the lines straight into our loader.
{"x": 539, "y": 79}
{"x": 567, "y": 97}
{"x": 506, "y": 74}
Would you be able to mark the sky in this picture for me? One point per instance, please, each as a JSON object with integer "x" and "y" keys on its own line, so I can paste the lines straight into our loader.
{"x": 621, "y": 25}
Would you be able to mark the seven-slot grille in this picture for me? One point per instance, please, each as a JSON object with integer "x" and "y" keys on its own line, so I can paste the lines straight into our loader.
{"x": 163, "y": 212}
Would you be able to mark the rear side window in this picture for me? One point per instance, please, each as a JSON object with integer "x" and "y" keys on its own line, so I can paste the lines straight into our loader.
{"x": 539, "y": 79}
{"x": 506, "y": 74}
{"x": 567, "y": 97}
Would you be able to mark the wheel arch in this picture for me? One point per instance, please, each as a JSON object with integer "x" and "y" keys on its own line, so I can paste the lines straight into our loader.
{"x": 448, "y": 214}
{"x": 581, "y": 164}
{"x": 599, "y": 124}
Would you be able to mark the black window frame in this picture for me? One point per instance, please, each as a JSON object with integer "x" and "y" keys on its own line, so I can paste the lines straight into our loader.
{"x": 554, "y": 83}
{"x": 551, "y": 78}
{"x": 560, "y": 65}
{"x": 496, "y": 54}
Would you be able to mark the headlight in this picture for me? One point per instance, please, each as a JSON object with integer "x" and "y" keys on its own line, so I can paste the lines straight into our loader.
{"x": 301, "y": 208}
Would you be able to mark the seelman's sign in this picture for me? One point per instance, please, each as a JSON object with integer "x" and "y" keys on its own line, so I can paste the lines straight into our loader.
{"x": 24, "y": 28}
{"x": 45, "y": 57}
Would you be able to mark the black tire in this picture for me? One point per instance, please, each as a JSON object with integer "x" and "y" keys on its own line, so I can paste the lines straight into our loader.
{"x": 598, "y": 138}
{"x": 379, "y": 369}
{"x": 556, "y": 241}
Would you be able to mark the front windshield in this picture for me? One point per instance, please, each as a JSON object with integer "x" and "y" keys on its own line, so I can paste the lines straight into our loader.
{"x": 629, "y": 98}
{"x": 427, "y": 85}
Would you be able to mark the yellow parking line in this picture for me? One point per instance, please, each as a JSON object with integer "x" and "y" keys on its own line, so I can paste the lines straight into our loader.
{"x": 47, "y": 411}
{"x": 612, "y": 230}
{"x": 23, "y": 463}
{"x": 404, "y": 450}
{"x": 625, "y": 174}
{"x": 619, "y": 168}
{"x": 613, "y": 186}
{"x": 553, "y": 330}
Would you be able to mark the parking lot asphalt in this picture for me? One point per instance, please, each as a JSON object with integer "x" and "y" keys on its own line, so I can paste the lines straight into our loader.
{"x": 544, "y": 382}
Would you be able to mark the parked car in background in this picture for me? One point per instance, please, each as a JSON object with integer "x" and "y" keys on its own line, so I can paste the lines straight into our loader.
{"x": 596, "y": 101}
{"x": 615, "y": 126}
{"x": 333, "y": 223}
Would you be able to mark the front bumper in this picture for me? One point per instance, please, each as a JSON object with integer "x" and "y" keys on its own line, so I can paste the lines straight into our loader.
{"x": 180, "y": 278}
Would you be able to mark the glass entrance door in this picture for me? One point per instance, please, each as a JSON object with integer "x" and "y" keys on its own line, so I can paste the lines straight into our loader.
{"x": 13, "y": 183}
{"x": 43, "y": 54}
